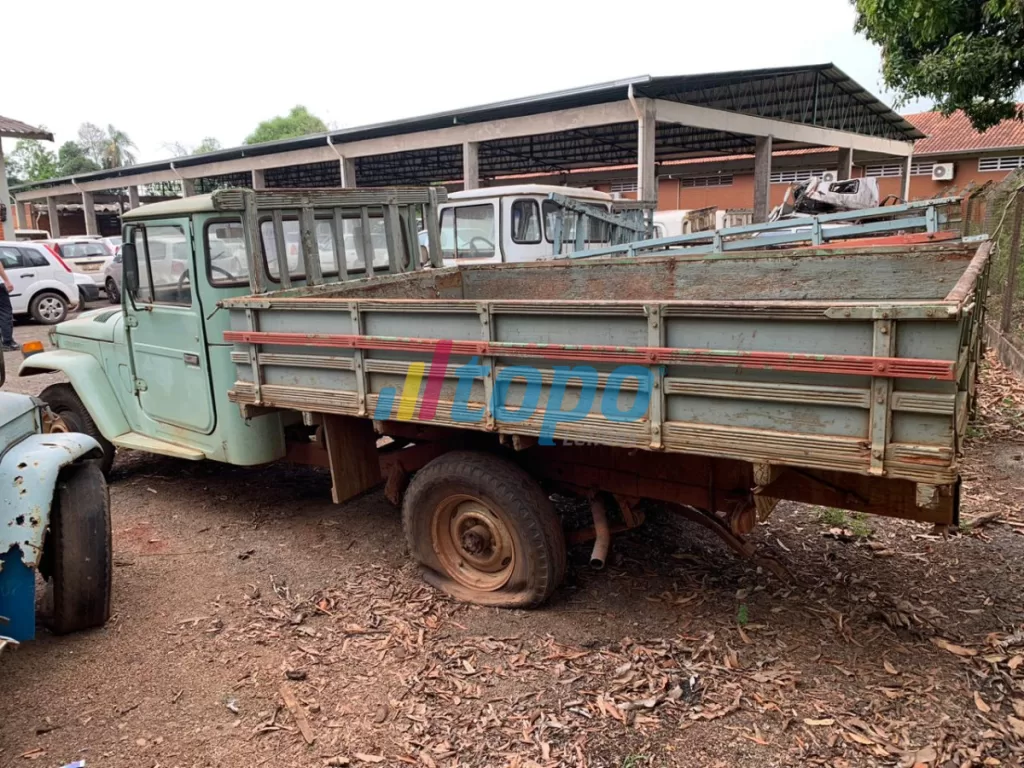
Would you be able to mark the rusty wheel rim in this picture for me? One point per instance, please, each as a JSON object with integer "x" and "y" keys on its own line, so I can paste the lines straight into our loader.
{"x": 53, "y": 423}
{"x": 473, "y": 543}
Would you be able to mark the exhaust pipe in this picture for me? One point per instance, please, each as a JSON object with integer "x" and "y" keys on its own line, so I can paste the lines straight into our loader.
{"x": 603, "y": 539}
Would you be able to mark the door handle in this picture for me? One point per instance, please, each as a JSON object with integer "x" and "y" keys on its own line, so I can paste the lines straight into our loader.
{"x": 191, "y": 359}
{"x": 27, "y": 274}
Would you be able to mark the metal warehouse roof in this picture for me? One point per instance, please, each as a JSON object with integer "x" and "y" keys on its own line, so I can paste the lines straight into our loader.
{"x": 819, "y": 95}
{"x": 16, "y": 129}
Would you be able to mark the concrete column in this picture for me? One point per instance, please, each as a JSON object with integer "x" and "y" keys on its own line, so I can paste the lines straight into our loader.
{"x": 259, "y": 179}
{"x": 471, "y": 165}
{"x": 133, "y": 198}
{"x": 646, "y": 171}
{"x": 905, "y": 177}
{"x": 348, "y": 173}
{"x": 89, "y": 212}
{"x": 762, "y": 177}
{"x": 188, "y": 187}
{"x": 6, "y": 227}
{"x": 51, "y": 212}
{"x": 845, "y": 164}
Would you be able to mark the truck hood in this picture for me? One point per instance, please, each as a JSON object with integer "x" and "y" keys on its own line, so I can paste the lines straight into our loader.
{"x": 97, "y": 324}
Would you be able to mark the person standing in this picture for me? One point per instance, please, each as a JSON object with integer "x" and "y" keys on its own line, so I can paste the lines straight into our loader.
{"x": 6, "y": 312}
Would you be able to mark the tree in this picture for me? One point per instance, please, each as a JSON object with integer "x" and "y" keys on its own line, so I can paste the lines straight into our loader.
{"x": 963, "y": 54}
{"x": 93, "y": 141}
{"x": 298, "y": 122}
{"x": 208, "y": 144}
{"x": 72, "y": 160}
{"x": 117, "y": 150}
{"x": 178, "y": 149}
{"x": 30, "y": 161}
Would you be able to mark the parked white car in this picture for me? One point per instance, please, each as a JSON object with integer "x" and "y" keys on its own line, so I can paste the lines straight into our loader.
{"x": 44, "y": 285}
{"x": 87, "y": 255}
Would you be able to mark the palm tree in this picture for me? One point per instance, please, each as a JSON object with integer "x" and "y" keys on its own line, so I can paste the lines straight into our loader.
{"x": 118, "y": 149}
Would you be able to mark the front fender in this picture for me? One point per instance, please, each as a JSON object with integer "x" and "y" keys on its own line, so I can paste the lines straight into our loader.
{"x": 28, "y": 478}
{"x": 90, "y": 382}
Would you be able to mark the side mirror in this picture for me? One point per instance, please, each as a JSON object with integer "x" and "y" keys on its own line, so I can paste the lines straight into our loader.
{"x": 130, "y": 259}
{"x": 3, "y": 369}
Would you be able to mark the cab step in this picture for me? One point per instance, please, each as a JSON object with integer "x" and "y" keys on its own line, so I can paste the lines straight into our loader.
{"x": 139, "y": 442}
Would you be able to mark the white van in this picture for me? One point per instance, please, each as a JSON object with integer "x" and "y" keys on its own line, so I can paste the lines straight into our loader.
{"x": 508, "y": 224}
{"x": 44, "y": 286}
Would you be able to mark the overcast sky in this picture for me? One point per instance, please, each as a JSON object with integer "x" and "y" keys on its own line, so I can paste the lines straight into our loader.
{"x": 168, "y": 72}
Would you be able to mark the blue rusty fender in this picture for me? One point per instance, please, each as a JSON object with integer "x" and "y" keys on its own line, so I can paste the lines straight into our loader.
{"x": 28, "y": 478}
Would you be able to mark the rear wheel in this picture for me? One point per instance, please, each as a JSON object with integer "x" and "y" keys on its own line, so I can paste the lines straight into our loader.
{"x": 484, "y": 531}
{"x": 65, "y": 403}
{"x": 81, "y": 551}
{"x": 48, "y": 308}
{"x": 113, "y": 295}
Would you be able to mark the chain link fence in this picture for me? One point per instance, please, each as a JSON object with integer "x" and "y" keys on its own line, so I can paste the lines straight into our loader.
{"x": 998, "y": 211}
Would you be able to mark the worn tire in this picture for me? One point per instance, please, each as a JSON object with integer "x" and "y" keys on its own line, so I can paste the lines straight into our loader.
{"x": 82, "y": 553}
{"x": 113, "y": 295}
{"x": 535, "y": 529}
{"x": 42, "y": 302}
{"x": 64, "y": 401}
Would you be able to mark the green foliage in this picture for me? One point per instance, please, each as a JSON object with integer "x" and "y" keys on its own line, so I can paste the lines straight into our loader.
{"x": 834, "y": 518}
{"x": 859, "y": 525}
{"x": 963, "y": 54}
{"x": 298, "y": 122}
{"x": 71, "y": 160}
{"x": 117, "y": 149}
{"x": 743, "y": 615}
{"x": 635, "y": 761}
{"x": 208, "y": 144}
{"x": 31, "y": 160}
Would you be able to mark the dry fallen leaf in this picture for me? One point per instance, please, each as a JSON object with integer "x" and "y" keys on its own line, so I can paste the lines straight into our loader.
{"x": 890, "y": 668}
{"x": 1017, "y": 725}
{"x": 1015, "y": 662}
{"x": 953, "y": 648}
{"x": 858, "y": 738}
{"x": 369, "y": 758}
{"x": 1018, "y": 707}
{"x": 825, "y": 721}
{"x": 926, "y": 755}
{"x": 980, "y": 703}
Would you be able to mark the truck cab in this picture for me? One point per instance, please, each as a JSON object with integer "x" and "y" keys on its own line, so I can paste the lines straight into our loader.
{"x": 155, "y": 373}
{"x": 508, "y": 224}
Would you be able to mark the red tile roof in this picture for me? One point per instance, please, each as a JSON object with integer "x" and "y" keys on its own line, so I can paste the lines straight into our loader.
{"x": 955, "y": 134}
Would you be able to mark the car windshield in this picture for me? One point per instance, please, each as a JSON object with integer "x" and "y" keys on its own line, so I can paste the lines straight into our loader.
{"x": 86, "y": 250}
{"x": 114, "y": 241}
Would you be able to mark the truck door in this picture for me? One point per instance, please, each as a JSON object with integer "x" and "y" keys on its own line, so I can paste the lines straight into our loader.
{"x": 522, "y": 235}
{"x": 164, "y": 322}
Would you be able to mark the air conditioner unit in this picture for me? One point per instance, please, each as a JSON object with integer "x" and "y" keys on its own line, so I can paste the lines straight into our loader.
{"x": 829, "y": 176}
{"x": 942, "y": 171}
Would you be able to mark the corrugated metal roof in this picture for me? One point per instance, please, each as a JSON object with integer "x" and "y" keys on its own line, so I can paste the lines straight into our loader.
{"x": 819, "y": 95}
{"x": 16, "y": 129}
{"x": 956, "y": 134}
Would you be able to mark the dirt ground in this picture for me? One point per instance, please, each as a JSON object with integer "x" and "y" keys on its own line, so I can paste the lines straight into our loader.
{"x": 238, "y": 588}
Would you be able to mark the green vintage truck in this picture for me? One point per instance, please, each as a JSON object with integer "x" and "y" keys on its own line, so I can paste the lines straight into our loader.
{"x": 304, "y": 325}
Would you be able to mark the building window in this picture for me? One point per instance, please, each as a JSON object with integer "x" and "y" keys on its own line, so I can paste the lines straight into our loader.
{"x": 624, "y": 185}
{"x": 895, "y": 170}
{"x": 793, "y": 177}
{"x": 1009, "y": 163}
{"x": 718, "y": 180}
